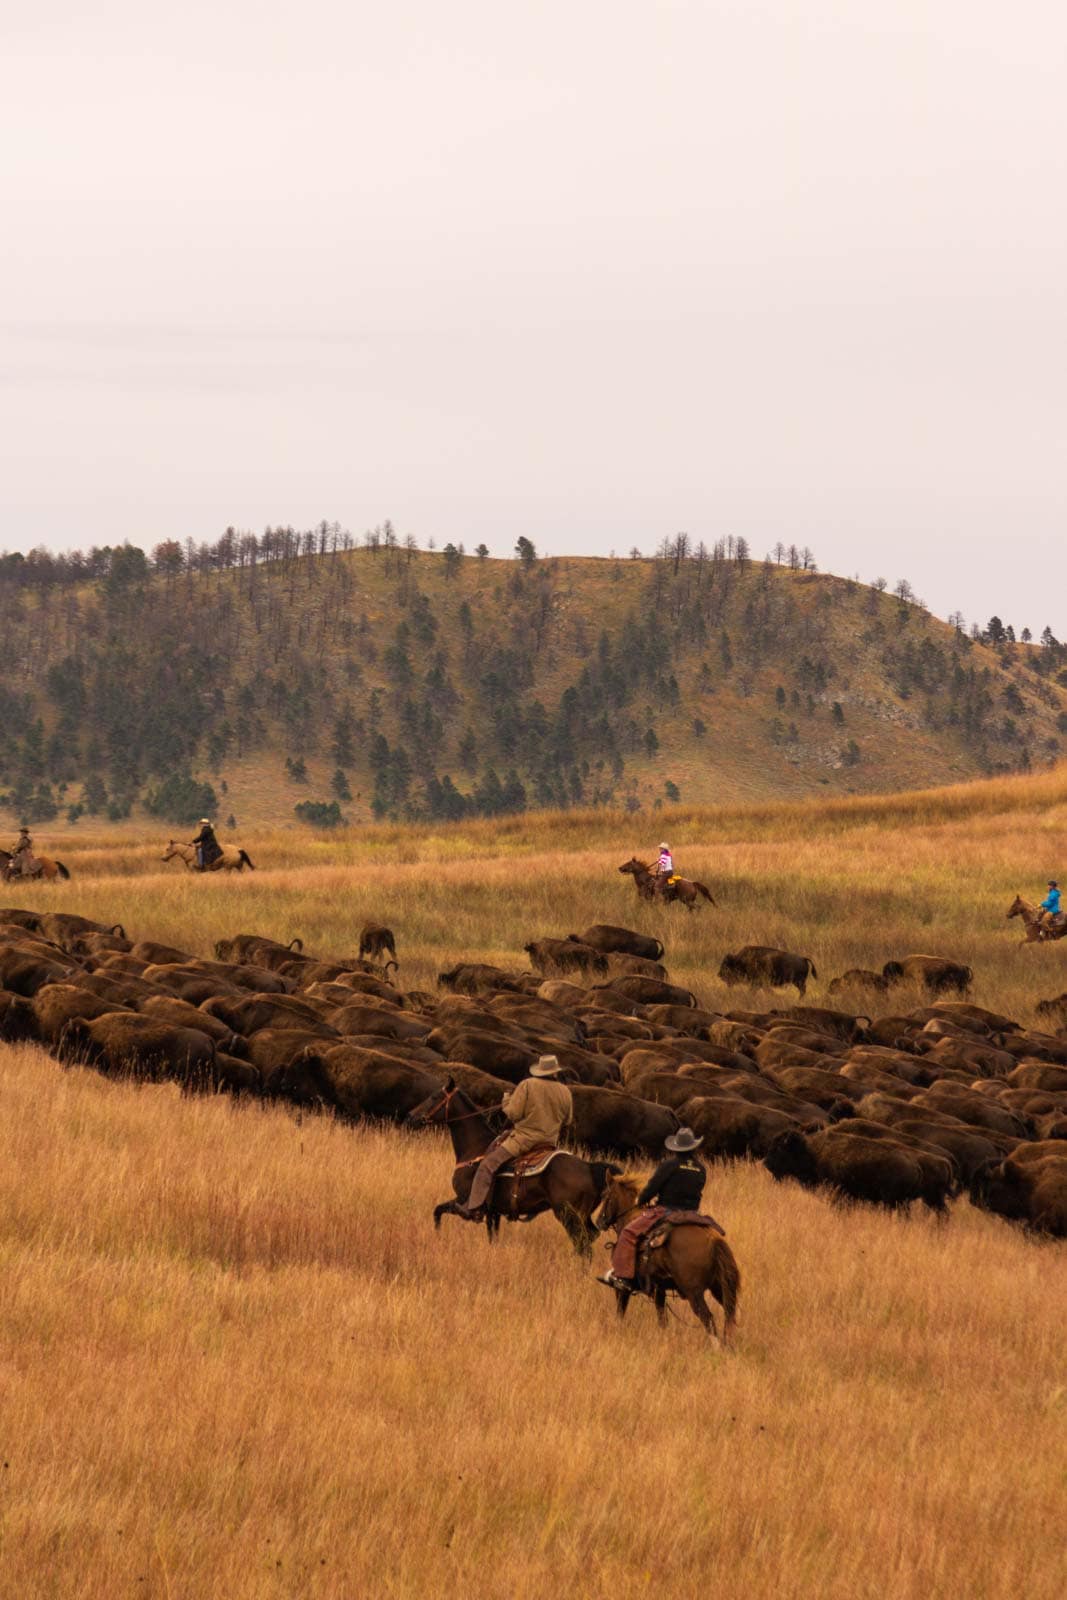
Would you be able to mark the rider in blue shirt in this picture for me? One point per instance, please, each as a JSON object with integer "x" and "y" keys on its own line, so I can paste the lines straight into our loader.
{"x": 1051, "y": 903}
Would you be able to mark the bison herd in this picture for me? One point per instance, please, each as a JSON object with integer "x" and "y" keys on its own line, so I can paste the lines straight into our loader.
{"x": 923, "y": 1105}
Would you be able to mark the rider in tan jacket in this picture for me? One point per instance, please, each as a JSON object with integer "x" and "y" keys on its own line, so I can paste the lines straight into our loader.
{"x": 538, "y": 1109}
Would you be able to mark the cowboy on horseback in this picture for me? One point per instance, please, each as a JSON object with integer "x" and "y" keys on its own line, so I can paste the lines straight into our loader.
{"x": 676, "y": 1185}
{"x": 24, "y": 863}
{"x": 1051, "y": 914}
{"x": 538, "y": 1109}
{"x": 208, "y": 848}
{"x": 665, "y": 864}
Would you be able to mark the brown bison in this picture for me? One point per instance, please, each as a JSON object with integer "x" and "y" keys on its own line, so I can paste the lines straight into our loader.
{"x": 565, "y": 955}
{"x": 878, "y": 1171}
{"x": 619, "y": 1124}
{"x": 936, "y": 975}
{"x": 476, "y": 977}
{"x": 650, "y": 992}
{"x": 376, "y": 941}
{"x": 620, "y": 941}
{"x": 762, "y": 967}
{"x": 1028, "y": 1187}
{"x": 858, "y": 978}
{"x": 125, "y": 1042}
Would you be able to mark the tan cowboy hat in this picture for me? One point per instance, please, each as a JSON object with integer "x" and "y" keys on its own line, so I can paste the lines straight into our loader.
{"x": 205, "y": 822}
{"x": 685, "y": 1139}
{"x": 664, "y": 846}
{"x": 547, "y": 1067}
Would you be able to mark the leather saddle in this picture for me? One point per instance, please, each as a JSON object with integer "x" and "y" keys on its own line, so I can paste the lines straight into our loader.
{"x": 531, "y": 1163}
{"x": 661, "y": 1230}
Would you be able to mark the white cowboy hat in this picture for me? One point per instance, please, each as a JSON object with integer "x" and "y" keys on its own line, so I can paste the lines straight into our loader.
{"x": 664, "y": 846}
{"x": 547, "y": 1067}
{"x": 205, "y": 822}
{"x": 684, "y": 1139}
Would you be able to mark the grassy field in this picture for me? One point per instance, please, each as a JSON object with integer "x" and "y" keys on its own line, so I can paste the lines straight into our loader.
{"x": 238, "y": 1363}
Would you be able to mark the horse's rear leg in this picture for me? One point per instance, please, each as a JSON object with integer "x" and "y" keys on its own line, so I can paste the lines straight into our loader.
{"x": 622, "y": 1301}
{"x": 447, "y": 1208}
{"x": 700, "y": 1308}
{"x": 659, "y": 1300}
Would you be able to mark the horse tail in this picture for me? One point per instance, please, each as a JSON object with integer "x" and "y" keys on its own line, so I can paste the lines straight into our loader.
{"x": 725, "y": 1276}
{"x": 294, "y": 944}
{"x": 703, "y": 889}
{"x": 63, "y": 873}
{"x": 246, "y": 860}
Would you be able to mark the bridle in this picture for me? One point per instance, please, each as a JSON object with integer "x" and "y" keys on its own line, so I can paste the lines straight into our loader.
{"x": 445, "y": 1103}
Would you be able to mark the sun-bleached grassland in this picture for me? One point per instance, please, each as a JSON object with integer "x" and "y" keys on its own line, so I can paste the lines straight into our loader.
{"x": 238, "y": 1363}
{"x": 235, "y": 1360}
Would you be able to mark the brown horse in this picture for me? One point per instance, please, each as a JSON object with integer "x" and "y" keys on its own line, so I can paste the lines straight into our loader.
{"x": 654, "y": 886}
{"x": 571, "y": 1189}
{"x": 1038, "y": 931}
{"x": 693, "y": 1261}
{"x": 45, "y": 868}
{"x": 232, "y": 859}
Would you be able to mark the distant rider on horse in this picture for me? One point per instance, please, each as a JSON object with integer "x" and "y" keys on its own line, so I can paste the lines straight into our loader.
{"x": 23, "y": 860}
{"x": 1052, "y": 915}
{"x": 538, "y": 1111}
{"x": 665, "y": 864}
{"x": 208, "y": 848}
{"x": 676, "y": 1185}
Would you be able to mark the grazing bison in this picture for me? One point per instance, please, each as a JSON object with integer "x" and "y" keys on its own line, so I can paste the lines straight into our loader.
{"x": 650, "y": 992}
{"x": 565, "y": 955}
{"x": 763, "y": 967}
{"x": 376, "y": 941}
{"x": 476, "y": 977}
{"x": 878, "y": 1171}
{"x": 257, "y": 948}
{"x": 1055, "y": 1009}
{"x": 1027, "y": 1187}
{"x": 858, "y": 978}
{"x": 24, "y": 973}
{"x": 371, "y": 1083}
{"x": 731, "y": 1126}
{"x": 618, "y": 1124}
{"x": 125, "y": 1042}
{"x": 935, "y": 973}
{"x": 619, "y": 941}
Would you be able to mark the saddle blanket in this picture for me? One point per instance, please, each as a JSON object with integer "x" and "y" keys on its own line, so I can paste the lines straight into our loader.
{"x": 531, "y": 1163}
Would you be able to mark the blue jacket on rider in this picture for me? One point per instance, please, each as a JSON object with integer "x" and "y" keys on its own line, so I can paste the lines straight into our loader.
{"x": 1051, "y": 902}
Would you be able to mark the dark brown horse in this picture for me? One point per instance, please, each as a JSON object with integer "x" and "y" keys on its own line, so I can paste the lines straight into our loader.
{"x": 654, "y": 886}
{"x": 694, "y": 1260}
{"x": 44, "y": 868}
{"x": 571, "y": 1189}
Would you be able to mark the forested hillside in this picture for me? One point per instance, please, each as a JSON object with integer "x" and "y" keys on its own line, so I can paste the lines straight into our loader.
{"x": 295, "y": 677}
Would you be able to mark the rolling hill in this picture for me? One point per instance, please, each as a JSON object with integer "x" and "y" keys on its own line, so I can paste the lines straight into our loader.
{"x": 258, "y": 676}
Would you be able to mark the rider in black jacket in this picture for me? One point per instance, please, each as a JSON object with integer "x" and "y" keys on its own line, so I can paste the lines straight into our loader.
{"x": 676, "y": 1185}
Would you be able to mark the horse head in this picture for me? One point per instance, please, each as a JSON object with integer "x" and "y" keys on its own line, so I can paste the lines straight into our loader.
{"x": 433, "y": 1111}
{"x": 620, "y": 1196}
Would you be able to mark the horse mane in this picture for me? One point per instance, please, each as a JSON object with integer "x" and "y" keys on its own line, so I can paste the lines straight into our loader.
{"x": 630, "y": 1183}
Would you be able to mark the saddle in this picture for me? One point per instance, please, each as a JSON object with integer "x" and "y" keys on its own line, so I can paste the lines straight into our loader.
{"x": 661, "y": 1230}
{"x": 531, "y": 1163}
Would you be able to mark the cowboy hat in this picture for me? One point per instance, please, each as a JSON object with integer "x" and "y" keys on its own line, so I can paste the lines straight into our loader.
{"x": 684, "y": 1139}
{"x": 205, "y": 822}
{"x": 547, "y": 1067}
{"x": 664, "y": 846}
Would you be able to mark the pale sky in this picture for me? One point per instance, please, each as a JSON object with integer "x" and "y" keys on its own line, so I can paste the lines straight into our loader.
{"x": 592, "y": 272}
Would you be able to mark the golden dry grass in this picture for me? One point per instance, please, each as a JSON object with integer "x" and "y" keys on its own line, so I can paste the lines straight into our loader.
{"x": 238, "y": 1363}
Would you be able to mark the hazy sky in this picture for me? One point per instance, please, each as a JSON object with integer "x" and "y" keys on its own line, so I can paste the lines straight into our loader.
{"x": 593, "y": 272}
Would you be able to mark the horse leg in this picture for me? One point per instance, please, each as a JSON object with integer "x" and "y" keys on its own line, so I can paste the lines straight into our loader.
{"x": 447, "y": 1208}
{"x": 700, "y": 1308}
{"x": 659, "y": 1300}
{"x": 576, "y": 1229}
{"x": 622, "y": 1300}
